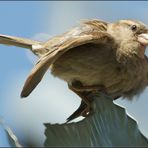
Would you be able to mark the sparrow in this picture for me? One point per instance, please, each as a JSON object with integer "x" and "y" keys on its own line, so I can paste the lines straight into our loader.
{"x": 94, "y": 56}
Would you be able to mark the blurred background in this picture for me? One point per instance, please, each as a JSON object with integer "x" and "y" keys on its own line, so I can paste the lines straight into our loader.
{"x": 51, "y": 101}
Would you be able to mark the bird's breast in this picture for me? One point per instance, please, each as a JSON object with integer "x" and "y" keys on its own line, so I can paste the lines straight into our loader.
{"x": 133, "y": 79}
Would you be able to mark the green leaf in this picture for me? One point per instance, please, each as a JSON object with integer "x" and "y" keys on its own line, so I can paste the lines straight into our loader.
{"x": 108, "y": 126}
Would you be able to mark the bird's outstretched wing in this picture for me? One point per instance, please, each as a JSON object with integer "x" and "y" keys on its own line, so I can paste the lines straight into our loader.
{"x": 147, "y": 68}
{"x": 87, "y": 33}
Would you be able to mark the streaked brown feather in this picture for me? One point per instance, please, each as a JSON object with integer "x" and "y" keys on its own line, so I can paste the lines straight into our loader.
{"x": 68, "y": 41}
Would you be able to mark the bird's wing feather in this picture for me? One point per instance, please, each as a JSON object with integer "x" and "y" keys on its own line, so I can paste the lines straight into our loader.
{"x": 74, "y": 38}
{"x": 147, "y": 68}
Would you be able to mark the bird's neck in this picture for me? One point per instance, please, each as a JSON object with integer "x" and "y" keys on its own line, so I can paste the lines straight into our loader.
{"x": 130, "y": 51}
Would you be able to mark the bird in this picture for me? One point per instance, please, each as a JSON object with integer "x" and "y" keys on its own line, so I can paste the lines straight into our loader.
{"x": 94, "y": 56}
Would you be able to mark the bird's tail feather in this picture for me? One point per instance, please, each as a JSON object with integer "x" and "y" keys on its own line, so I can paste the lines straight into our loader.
{"x": 21, "y": 42}
{"x": 78, "y": 112}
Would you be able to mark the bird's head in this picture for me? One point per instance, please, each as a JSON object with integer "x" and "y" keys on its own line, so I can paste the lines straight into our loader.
{"x": 131, "y": 36}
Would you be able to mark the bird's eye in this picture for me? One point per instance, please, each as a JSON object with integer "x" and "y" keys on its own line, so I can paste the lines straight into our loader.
{"x": 133, "y": 27}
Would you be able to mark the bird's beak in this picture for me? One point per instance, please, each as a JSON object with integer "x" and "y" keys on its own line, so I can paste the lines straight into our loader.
{"x": 143, "y": 39}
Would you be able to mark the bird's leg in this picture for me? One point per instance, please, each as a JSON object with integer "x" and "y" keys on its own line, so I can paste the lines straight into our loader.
{"x": 88, "y": 110}
{"x": 77, "y": 86}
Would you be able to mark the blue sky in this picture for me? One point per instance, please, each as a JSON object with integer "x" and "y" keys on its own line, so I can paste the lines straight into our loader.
{"x": 51, "y": 101}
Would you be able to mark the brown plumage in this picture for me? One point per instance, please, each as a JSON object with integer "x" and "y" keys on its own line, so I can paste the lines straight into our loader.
{"x": 91, "y": 56}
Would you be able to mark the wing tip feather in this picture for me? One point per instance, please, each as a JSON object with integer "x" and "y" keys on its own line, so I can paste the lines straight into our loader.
{"x": 23, "y": 95}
